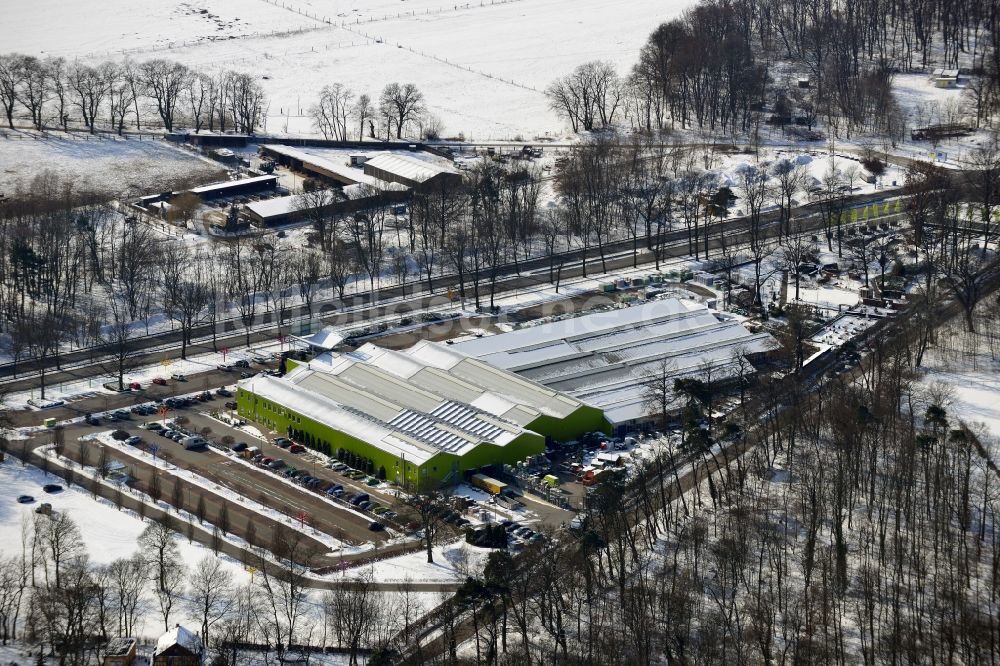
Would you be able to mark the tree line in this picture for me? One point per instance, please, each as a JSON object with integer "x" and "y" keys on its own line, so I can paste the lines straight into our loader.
{"x": 54, "y": 92}
{"x": 399, "y": 110}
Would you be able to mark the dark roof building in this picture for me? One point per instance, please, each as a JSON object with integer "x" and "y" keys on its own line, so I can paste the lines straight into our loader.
{"x": 120, "y": 652}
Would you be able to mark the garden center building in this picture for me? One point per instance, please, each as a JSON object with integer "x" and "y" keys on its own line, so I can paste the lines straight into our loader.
{"x": 419, "y": 417}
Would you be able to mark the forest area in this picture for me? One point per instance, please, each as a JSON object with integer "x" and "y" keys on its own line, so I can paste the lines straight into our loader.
{"x": 723, "y": 62}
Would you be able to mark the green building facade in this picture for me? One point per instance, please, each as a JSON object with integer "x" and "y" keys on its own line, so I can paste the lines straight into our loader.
{"x": 440, "y": 468}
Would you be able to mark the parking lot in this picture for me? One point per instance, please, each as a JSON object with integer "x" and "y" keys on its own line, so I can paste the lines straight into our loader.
{"x": 295, "y": 481}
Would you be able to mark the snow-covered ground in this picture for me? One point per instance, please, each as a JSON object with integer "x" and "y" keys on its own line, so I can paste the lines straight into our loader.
{"x": 108, "y": 533}
{"x": 971, "y": 374}
{"x": 452, "y": 562}
{"x": 114, "y": 26}
{"x": 122, "y": 167}
{"x": 482, "y": 65}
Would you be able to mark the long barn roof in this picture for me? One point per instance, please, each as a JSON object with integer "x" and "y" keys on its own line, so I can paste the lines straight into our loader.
{"x": 605, "y": 358}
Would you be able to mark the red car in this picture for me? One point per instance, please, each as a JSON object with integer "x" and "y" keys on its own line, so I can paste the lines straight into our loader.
{"x": 135, "y": 386}
{"x": 296, "y": 448}
{"x": 160, "y": 381}
{"x": 267, "y": 461}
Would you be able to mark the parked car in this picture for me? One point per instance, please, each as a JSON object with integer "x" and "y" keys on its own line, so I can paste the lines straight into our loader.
{"x": 93, "y": 420}
{"x": 194, "y": 442}
{"x": 224, "y": 392}
{"x": 359, "y": 498}
{"x": 283, "y": 442}
{"x": 296, "y": 448}
{"x": 224, "y": 367}
{"x": 159, "y": 381}
{"x": 376, "y": 526}
{"x": 178, "y": 377}
{"x": 246, "y": 374}
{"x": 339, "y": 467}
{"x": 241, "y": 363}
{"x": 155, "y": 426}
{"x": 391, "y": 515}
{"x": 259, "y": 360}
{"x": 120, "y": 415}
{"x": 257, "y": 457}
{"x": 134, "y": 440}
{"x": 52, "y": 488}
{"x": 239, "y": 446}
{"x": 231, "y": 405}
{"x": 135, "y": 386}
{"x": 277, "y": 463}
{"x": 25, "y": 499}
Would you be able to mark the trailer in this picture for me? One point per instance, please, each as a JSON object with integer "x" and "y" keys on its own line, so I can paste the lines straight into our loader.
{"x": 488, "y": 484}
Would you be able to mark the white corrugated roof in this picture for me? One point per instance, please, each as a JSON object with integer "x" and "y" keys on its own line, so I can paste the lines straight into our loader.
{"x": 603, "y": 359}
{"x": 348, "y": 394}
{"x": 277, "y": 206}
{"x": 216, "y": 187}
{"x": 332, "y": 162}
{"x": 445, "y": 365}
{"x": 327, "y": 411}
{"x": 407, "y": 167}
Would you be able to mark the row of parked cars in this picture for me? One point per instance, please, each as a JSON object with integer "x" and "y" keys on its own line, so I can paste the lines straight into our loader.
{"x": 353, "y": 474}
{"x": 174, "y": 432}
{"x": 519, "y": 533}
{"x": 302, "y": 477}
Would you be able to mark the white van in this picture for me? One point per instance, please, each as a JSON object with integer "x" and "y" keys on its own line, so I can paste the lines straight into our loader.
{"x": 194, "y": 442}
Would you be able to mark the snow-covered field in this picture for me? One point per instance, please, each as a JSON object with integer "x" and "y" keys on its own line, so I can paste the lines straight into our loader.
{"x": 113, "y": 26}
{"x": 453, "y": 562}
{"x": 118, "y": 166}
{"x": 108, "y": 533}
{"x": 482, "y": 65}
